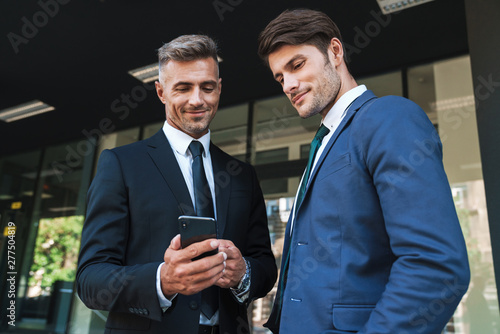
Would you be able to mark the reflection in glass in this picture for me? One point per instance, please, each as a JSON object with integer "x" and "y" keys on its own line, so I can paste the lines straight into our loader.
{"x": 279, "y": 129}
{"x": 444, "y": 90}
{"x": 228, "y": 130}
{"x": 18, "y": 183}
{"x": 383, "y": 84}
{"x": 53, "y": 237}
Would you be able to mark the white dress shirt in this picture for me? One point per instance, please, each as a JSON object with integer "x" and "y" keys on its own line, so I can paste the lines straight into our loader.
{"x": 179, "y": 141}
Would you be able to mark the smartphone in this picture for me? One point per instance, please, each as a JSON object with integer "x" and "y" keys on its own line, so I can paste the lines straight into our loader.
{"x": 195, "y": 229}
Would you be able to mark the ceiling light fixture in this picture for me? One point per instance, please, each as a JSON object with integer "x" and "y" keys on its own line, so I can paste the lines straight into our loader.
{"x": 146, "y": 73}
{"x": 149, "y": 73}
{"x": 390, "y": 6}
{"x": 24, "y": 110}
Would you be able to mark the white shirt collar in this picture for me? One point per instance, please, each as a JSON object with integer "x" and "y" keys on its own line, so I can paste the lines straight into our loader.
{"x": 180, "y": 141}
{"x": 337, "y": 112}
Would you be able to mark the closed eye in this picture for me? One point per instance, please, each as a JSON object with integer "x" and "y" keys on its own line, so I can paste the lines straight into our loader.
{"x": 298, "y": 65}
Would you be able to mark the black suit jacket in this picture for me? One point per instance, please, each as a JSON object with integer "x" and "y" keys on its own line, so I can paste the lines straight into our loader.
{"x": 133, "y": 205}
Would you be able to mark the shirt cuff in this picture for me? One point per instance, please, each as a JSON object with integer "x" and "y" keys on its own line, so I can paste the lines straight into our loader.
{"x": 242, "y": 291}
{"x": 165, "y": 303}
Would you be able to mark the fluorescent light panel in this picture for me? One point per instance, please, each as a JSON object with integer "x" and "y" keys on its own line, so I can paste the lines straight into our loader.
{"x": 146, "y": 73}
{"x": 149, "y": 73}
{"x": 390, "y": 6}
{"x": 24, "y": 110}
{"x": 62, "y": 209}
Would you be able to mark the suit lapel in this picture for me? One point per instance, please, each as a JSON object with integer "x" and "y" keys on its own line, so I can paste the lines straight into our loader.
{"x": 222, "y": 182}
{"x": 355, "y": 106}
{"x": 163, "y": 157}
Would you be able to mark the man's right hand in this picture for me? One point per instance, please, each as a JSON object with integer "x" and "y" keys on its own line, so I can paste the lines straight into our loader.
{"x": 181, "y": 275}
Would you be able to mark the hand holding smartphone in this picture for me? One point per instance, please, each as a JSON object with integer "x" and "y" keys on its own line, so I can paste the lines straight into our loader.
{"x": 195, "y": 229}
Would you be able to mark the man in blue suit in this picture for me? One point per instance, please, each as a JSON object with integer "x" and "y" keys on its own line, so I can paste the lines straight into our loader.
{"x": 373, "y": 244}
{"x": 131, "y": 262}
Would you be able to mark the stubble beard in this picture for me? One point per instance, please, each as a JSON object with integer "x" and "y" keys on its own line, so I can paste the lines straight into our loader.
{"x": 327, "y": 91}
{"x": 197, "y": 125}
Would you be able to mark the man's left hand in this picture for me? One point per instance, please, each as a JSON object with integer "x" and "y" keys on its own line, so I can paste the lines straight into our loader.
{"x": 235, "y": 265}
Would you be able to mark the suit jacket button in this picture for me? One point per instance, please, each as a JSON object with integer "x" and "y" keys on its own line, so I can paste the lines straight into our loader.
{"x": 193, "y": 305}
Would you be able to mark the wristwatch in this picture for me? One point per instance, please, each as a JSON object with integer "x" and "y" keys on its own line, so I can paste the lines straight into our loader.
{"x": 244, "y": 284}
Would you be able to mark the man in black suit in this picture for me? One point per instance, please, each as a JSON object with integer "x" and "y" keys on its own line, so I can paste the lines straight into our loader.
{"x": 131, "y": 262}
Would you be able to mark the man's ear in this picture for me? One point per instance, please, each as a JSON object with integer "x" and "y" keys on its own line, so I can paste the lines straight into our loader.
{"x": 336, "y": 51}
{"x": 159, "y": 91}
{"x": 220, "y": 85}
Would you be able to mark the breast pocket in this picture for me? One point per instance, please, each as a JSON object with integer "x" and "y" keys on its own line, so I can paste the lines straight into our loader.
{"x": 328, "y": 168}
{"x": 351, "y": 318}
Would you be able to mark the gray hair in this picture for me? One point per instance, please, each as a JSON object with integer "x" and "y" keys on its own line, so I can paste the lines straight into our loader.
{"x": 188, "y": 48}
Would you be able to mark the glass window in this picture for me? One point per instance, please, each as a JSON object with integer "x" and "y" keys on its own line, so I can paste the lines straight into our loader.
{"x": 384, "y": 84}
{"x": 279, "y": 129}
{"x": 270, "y": 156}
{"x": 53, "y": 237}
{"x": 228, "y": 130}
{"x": 18, "y": 181}
{"x": 278, "y": 208}
{"x": 444, "y": 89}
{"x": 150, "y": 130}
{"x": 118, "y": 138}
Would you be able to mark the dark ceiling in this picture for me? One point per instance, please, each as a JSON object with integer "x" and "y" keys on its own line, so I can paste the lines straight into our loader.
{"x": 77, "y": 56}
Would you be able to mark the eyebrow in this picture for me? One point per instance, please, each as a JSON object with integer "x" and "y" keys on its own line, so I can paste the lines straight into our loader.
{"x": 187, "y": 83}
{"x": 289, "y": 64}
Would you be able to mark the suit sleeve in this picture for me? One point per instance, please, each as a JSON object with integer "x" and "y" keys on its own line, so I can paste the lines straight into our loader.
{"x": 430, "y": 274}
{"x": 104, "y": 281}
{"x": 258, "y": 250}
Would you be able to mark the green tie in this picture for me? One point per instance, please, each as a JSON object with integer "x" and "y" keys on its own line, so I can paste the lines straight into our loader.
{"x": 315, "y": 144}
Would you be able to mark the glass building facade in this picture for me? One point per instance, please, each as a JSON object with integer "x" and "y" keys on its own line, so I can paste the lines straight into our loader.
{"x": 43, "y": 193}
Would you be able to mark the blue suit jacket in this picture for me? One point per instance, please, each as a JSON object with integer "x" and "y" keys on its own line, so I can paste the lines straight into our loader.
{"x": 133, "y": 205}
{"x": 376, "y": 245}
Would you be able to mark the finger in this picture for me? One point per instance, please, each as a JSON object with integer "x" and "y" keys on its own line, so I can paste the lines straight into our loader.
{"x": 209, "y": 277}
{"x": 226, "y": 243}
{"x": 175, "y": 243}
{"x": 207, "y": 264}
{"x": 195, "y": 283}
{"x": 198, "y": 248}
{"x": 232, "y": 252}
{"x": 223, "y": 282}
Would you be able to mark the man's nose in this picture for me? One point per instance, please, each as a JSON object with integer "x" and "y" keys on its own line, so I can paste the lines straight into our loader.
{"x": 196, "y": 97}
{"x": 290, "y": 84}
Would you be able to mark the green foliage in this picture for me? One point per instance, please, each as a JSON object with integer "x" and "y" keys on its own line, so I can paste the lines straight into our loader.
{"x": 56, "y": 250}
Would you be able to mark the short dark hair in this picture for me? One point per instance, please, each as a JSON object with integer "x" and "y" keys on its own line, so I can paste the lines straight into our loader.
{"x": 296, "y": 27}
{"x": 188, "y": 48}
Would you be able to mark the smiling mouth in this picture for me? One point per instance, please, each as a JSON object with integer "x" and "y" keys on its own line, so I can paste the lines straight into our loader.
{"x": 298, "y": 98}
{"x": 197, "y": 111}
